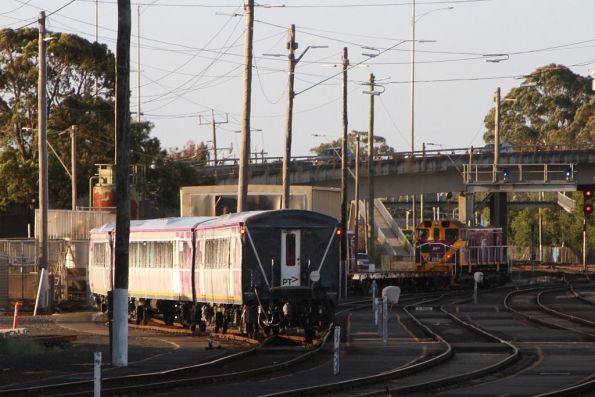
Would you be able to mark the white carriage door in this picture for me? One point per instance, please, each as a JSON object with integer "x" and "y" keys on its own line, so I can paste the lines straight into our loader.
{"x": 290, "y": 258}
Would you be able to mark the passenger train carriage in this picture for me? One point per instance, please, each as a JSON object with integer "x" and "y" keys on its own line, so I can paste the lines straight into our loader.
{"x": 261, "y": 269}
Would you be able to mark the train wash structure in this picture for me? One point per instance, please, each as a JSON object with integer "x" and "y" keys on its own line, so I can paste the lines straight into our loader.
{"x": 222, "y": 199}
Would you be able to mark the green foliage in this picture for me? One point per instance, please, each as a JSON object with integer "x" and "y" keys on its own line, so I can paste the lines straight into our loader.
{"x": 553, "y": 105}
{"x": 165, "y": 178}
{"x": 523, "y": 227}
{"x": 380, "y": 146}
{"x": 19, "y": 346}
{"x": 17, "y": 180}
{"x": 558, "y": 228}
{"x": 74, "y": 66}
{"x": 81, "y": 77}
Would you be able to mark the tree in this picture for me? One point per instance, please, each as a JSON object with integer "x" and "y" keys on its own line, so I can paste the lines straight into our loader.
{"x": 380, "y": 146}
{"x": 74, "y": 67}
{"x": 553, "y": 105}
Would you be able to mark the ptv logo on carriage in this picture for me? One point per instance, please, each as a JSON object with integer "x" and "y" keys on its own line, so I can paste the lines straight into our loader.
{"x": 289, "y": 281}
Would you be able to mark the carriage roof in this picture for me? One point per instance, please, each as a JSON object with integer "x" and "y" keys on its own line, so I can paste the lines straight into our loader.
{"x": 275, "y": 218}
{"x": 286, "y": 218}
{"x": 182, "y": 223}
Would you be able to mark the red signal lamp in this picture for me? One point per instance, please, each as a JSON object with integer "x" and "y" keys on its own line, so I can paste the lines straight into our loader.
{"x": 588, "y": 208}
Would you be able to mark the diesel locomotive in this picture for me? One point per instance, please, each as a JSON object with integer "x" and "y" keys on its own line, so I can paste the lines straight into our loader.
{"x": 453, "y": 246}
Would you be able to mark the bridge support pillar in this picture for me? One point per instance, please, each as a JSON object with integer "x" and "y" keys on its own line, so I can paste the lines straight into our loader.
{"x": 466, "y": 207}
{"x": 498, "y": 213}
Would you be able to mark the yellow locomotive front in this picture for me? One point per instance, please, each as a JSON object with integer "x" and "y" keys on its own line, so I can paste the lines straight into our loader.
{"x": 438, "y": 245}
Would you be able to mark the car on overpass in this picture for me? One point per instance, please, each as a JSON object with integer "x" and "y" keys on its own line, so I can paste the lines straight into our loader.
{"x": 332, "y": 155}
{"x": 504, "y": 148}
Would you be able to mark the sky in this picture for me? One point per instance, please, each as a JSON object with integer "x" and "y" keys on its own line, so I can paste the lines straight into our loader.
{"x": 191, "y": 62}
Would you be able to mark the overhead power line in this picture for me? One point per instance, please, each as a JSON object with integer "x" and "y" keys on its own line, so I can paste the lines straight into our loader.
{"x": 353, "y": 5}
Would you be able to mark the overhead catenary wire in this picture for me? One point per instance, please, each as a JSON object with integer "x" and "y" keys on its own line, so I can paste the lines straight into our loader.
{"x": 352, "y": 5}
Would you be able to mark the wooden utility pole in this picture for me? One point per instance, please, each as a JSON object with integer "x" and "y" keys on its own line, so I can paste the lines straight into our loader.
{"x": 214, "y": 130}
{"x": 496, "y": 129}
{"x": 370, "y": 229}
{"x": 122, "y": 121}
{"x": 356, "y": 191}
{"x": 213, "y": 123}
{"x": 42, "y": 145}
{"x": 246, "y": 107}
{"x": 73, "y": 162}
{"x": 291, "y": 47}
{"x": 138, "y": 113}
{"x": 344, "y": 165}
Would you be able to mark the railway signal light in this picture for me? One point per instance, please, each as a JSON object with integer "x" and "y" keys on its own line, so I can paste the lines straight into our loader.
{"x": 505, "y": 174}
{"x": 588, "y": 193}
{"x": 568, "y": 174}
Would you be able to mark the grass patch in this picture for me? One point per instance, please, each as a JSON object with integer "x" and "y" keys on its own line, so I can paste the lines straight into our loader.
{"x": 17, "y": 345}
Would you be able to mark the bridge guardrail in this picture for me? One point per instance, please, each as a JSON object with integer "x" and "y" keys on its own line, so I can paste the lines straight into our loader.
{"x": 518, "y": 173}
{"x": 230, "y": 162}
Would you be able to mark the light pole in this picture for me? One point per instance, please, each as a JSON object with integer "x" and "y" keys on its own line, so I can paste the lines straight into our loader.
{"x": 414, "y": 19}
{"x": 43, "y": 162}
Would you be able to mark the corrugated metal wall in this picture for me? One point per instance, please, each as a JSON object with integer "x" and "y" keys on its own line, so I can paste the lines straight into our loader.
{"x": 74, "y": 225}
{"x": 4, "y": 282}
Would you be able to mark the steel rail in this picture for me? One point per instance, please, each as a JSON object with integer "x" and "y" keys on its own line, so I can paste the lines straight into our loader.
{"x": 558, "y": 313}
{"x": 391, "y": 374}
{"x": 88, "y": 384}
{"x": 539, "y": 320}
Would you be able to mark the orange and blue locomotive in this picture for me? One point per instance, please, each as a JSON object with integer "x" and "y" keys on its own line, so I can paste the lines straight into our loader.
{"x": 453, "y": 246}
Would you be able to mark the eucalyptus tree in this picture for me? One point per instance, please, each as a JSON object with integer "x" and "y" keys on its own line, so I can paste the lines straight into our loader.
{"x": 553, "y": 105}
{"x": 80, "y": 91}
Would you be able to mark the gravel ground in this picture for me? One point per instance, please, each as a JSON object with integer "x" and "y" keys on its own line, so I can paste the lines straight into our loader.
{"x": 26, "y": 360}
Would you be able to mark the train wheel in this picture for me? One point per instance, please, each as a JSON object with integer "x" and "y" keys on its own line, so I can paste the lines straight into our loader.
{"x": 139, "y": 314}
{"x": 309, "y": 333}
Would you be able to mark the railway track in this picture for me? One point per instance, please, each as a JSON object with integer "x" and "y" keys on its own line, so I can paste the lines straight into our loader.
{"x": 422, "y": 373}
{"x": 273, "y": 355}
{"x": 268, "y": 357}
{"x": 527, "y": 303}
{"x": 444, "y": 344}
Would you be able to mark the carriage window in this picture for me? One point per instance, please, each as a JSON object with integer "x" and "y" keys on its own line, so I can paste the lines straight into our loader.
{"x": 99, "y": 257}
{"x": 451, "y": 234}
{"x": 422, "y": 234}
{"x": 217, "y": 253}
{"x": 156, "y": 254}
{"x": 436, "y": 234}
{"x": 290, "y": 249}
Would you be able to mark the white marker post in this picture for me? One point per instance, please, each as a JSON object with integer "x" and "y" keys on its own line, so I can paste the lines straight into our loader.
{"x": 385, "y": 321}
{"x": 375, "y": 308}
{"x": 380, "y": 315}
{"x": 478, "y": 278}
{"x": 337, "y": 350}
{"x": 97, "y": 375}
{"x": 374, "y": 289}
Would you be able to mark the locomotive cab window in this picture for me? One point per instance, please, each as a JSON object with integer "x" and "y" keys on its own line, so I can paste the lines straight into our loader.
{"x": 451, "y": 234}
{"x": 290, "y": 249}
{"x": 422, "y": 234}
{"x": 436, "y": 233}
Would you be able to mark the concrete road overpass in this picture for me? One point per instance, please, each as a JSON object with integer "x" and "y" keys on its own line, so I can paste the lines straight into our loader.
{"x": 528, "y": 169}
